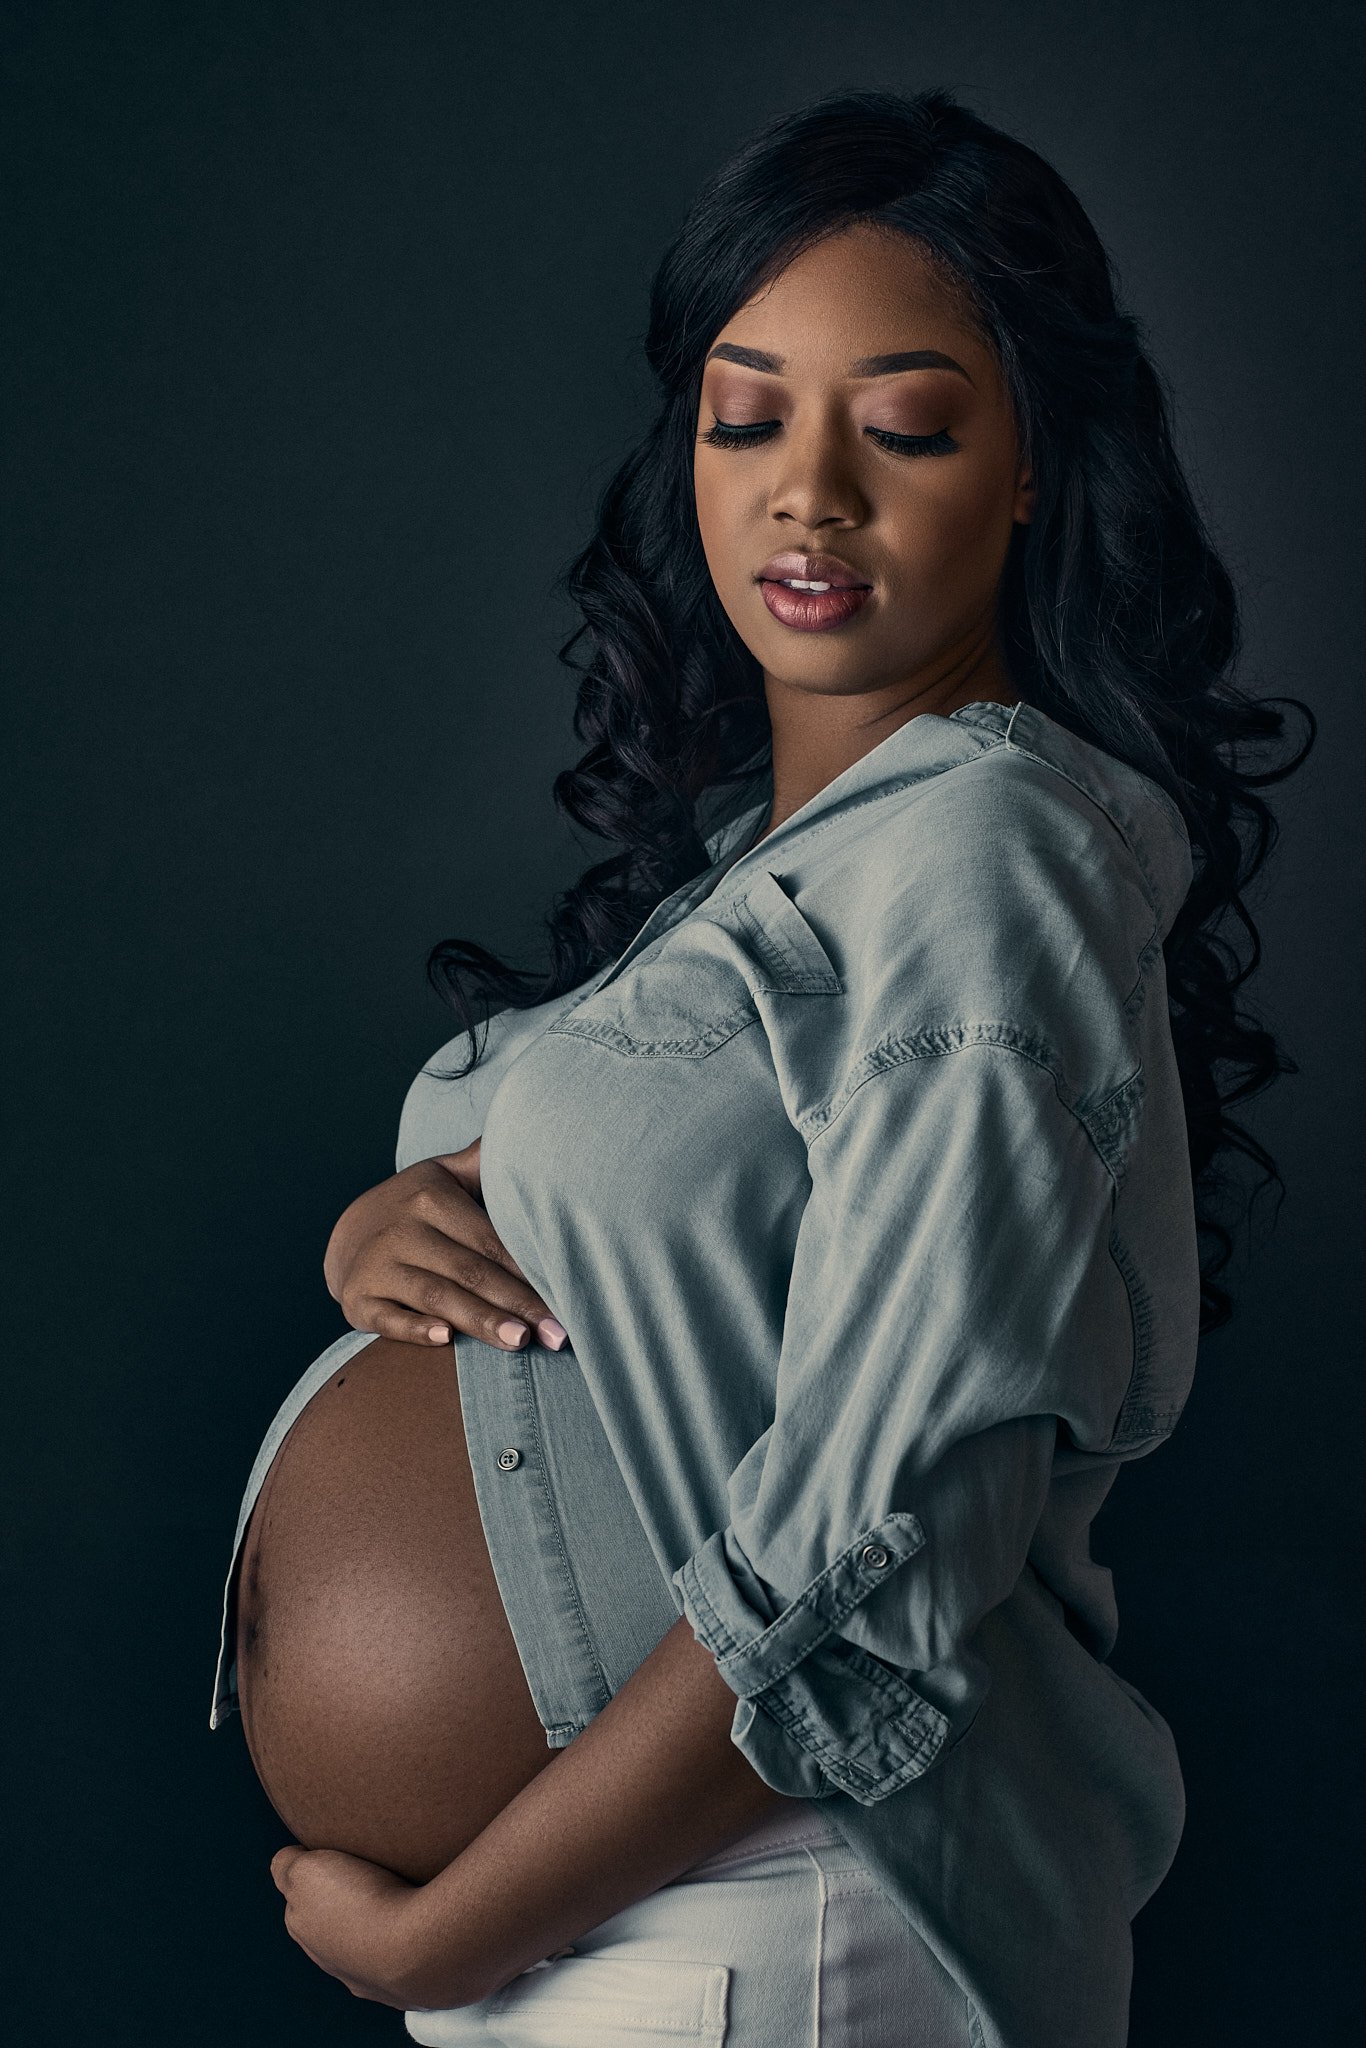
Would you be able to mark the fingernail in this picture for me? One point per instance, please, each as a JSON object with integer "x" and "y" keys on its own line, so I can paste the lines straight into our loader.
{"x": 551, "y": 1333}
{"x": 438, "y": 1333}
{"x": 513, "y": 1333}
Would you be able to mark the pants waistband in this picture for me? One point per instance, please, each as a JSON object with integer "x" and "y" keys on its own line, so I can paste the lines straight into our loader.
{"x": 795, "y": 1822}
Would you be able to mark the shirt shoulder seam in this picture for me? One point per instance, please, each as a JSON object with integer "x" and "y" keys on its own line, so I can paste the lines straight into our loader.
{"x": 940, "y": 1042}
{"x": 1128, "y": 840}
{"x": 991, "y": 743}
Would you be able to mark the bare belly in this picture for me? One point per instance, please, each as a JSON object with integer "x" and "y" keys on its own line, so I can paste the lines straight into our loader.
{"x": 384, "y": 1704}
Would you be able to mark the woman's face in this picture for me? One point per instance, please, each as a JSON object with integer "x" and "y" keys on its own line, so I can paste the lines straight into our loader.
{"x": 819, "y": 470}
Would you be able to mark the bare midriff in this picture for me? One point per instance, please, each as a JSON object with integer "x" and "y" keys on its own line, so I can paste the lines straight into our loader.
{"x": 383, "y": 1700}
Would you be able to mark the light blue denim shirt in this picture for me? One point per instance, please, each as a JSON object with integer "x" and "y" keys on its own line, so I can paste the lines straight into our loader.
{"x": 860, "y": 1182}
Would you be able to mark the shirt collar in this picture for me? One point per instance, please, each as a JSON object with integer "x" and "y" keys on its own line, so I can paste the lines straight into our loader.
{"x": 924, "y": 745}
{"x": 1145, "y": 816}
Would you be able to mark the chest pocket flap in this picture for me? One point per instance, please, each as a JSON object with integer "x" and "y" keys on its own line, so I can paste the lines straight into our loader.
{"x": 706, "y": 977}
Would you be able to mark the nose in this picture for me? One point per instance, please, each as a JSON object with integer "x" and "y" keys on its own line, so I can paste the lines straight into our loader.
{"x": 816, "y": 483}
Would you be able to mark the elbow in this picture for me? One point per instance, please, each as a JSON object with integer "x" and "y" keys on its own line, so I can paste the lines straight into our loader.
{"x": 816, "y": 1711}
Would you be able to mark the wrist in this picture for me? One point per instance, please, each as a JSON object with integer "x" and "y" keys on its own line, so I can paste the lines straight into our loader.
{"x": 438, "y": 1969}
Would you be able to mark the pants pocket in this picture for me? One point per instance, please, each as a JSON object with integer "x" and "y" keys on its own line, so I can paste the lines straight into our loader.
{"x": 597, "y": 2001}
{"x": 880, "y": 1985}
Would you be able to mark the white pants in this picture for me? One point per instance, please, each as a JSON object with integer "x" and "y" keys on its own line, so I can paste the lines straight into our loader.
{"x": 781, "y": 1940}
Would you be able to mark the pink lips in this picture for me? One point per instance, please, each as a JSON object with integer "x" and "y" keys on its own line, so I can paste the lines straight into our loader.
{"x": 810, "y": 568}
{"x": 812, "y": 611}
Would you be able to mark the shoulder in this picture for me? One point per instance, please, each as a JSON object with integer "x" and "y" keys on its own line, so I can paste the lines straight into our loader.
{"x": 1020, "y": 897}
{"x": 1041, "y": 820}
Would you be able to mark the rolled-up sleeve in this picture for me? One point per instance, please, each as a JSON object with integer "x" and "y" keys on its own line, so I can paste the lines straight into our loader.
{"x": 953, "y": 1305}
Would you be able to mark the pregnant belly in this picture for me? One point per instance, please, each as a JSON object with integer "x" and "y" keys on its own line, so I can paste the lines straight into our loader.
{"x": 383, "y": 1701}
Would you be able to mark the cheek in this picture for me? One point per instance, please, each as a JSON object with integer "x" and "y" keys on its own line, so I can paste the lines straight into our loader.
{"x": 954, "y": 530}
{"x": 720, "y": 526}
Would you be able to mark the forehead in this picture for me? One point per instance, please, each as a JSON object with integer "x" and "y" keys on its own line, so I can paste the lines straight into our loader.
{"x": 859, "y": 292}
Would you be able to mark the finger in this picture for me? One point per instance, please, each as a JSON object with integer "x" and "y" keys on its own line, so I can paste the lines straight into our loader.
{"x": 480, "y": 1313}
{"x": 477, "y": 1265}
{"x": 283, "y": 1861}
{"x": 388, "y": 1318}
{"x": 464, "y": 1165}
{"x": 405, "y": 1325}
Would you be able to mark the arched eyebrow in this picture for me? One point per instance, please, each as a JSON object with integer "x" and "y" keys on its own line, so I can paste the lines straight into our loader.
{"x": 864, "y": 366}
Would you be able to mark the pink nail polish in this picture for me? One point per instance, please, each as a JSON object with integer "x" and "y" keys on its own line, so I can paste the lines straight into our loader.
{"x": 513, "y": 1333}
{"x": 552, "y": 1334}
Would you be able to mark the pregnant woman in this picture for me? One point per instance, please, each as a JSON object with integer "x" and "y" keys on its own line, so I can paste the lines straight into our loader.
{"x": 669, "y": 1610}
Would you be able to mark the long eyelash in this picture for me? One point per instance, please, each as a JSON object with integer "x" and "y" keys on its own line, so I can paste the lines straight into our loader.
{"x": 723, "y": 436}
{"x": 914, "y": 444}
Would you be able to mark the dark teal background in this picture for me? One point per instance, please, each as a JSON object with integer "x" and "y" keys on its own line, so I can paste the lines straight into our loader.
{"x": 321, "y": 336}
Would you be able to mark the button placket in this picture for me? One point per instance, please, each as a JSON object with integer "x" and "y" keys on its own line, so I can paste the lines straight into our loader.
{"x": 525, "y": 1541}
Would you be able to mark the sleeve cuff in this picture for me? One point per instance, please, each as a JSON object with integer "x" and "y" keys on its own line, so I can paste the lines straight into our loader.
{"x": 814, "y": 1716}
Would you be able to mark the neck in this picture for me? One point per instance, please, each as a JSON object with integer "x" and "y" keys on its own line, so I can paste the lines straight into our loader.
{"x": 817, "y": 735}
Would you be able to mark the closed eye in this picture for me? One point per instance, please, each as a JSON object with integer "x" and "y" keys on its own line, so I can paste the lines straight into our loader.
{"x": 722, "y": 435}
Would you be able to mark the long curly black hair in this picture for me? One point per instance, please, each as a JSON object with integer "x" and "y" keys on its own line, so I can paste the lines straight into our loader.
{"x": 1117, "y": 616}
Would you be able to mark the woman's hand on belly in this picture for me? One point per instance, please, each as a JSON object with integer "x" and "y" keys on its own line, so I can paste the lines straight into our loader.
{"x": 416, "y": 1257}
{"x": 651, "y": 1785}
{"x": 359, "y": 1922}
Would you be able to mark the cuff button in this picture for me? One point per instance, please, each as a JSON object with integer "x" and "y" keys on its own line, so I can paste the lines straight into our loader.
{"x": 509, "y": 1459}
{"x": 874, "y": 1556}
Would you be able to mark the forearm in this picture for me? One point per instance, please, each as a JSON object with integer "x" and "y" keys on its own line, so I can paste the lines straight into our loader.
{"x": 650, "y": 1787}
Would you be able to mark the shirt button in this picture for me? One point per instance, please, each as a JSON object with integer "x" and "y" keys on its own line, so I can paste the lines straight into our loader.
{"x": 556, "y": 1953}
{"x": 874, "y": 1555}
{"x": 509, "y": 1459}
